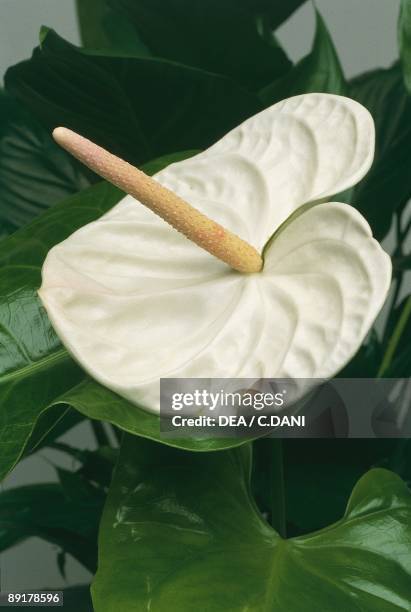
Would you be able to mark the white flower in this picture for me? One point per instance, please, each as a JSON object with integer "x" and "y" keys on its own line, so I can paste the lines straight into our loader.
{"x": 133, "y": 300}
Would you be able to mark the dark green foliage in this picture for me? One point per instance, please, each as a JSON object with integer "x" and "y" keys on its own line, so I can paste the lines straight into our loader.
{"x": 181, "y": 530}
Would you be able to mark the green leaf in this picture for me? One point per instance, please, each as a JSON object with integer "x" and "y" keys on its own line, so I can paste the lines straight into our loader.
{"x": 45, "y": 511}
{"x": 61, "y": 563}
{"x": 96, "y": 402}
{"x": 52, "y": 424}
{"x": 320, "y": 71}
{"x": 220, "y": 37}
{"x": 402, "y": 263}
{"x": 122, "y": 35}
{"x": 404, "y": 36}
{"x": 96, "y": 466}
{"x": 387, "y": 187}
{"x": 34, "y": 172}
{"x": 90, "y": 18}
{"x": 77, "y": 489}
{"x": 400, "y": 366}
{"x": 34, "y": 368}
{"x": 103, "y": 28}
{"x": 183, "y": 533}
{"x": 139, "y": 108}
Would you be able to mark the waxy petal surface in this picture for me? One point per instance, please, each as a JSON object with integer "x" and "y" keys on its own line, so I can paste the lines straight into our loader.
{"x": 134, "y": 301}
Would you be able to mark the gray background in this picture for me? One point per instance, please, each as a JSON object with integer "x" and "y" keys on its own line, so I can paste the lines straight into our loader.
{"x": 364, "y": 31}
{"x": 365, "y": 36}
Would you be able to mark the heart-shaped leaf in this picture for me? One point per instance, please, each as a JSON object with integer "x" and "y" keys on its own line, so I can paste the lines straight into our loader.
{"x": 186, "y": 535}
{"x": 139, "y": 108}
{"x": 34, "y": 172}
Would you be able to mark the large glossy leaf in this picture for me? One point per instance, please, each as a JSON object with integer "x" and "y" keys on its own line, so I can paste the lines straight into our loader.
{"x": 185, "y": 534}
{"x": 34, "y": 368}
{"x": 387, "y": 186}
{"x": 137, "y": 107}
{"x": 34, "y": 172}
{"x": 319, "y": 71}
{"x": 97, "y": 402}
{"x": 404, "y": 35}
{"x": 220, "y": 37}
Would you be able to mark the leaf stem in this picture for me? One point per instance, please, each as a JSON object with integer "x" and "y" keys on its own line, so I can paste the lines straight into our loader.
{"x": 405, "y": 231}
{"x": 395, "y": 338}
{"x": 398, "y": 277}
{"x": 100, "y": 433}
{"x": 277, "y": 483}
{"x": 118, "y": 434}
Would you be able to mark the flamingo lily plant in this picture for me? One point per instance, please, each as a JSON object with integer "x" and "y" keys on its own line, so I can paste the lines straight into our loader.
{"x": 133, "y": 300}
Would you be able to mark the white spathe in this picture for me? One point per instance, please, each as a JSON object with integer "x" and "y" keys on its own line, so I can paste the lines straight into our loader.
{"x": 133, "y": 300}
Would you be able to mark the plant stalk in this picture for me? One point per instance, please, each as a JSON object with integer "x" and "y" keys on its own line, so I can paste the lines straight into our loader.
{"x": 118, "y": 434}
{"x": 399, "y": 274}
{"x": 277, "y": 487}
{"x": 395, "y": 338}
{"x": 100, "y": 433}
